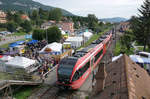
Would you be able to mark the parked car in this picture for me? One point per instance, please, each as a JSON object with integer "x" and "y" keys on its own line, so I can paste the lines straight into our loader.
{"x": 144, "y": 54}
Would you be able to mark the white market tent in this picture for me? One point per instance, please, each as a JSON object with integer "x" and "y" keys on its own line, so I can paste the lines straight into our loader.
{"x": 54, "y": 47}
{"x": 3, "y": 60}
{"x": 75, "y": 41}
{"x": 87, "y": 36}
{"x": 63, "y": 32}
{"x": 21, "y": 62}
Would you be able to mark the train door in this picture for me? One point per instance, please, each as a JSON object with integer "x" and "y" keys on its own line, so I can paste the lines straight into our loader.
{"x": 92, "y": 63}
{"x": 104, "y": 48}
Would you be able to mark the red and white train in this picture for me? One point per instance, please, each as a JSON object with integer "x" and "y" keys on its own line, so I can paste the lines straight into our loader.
{"x": 73, "y": 71}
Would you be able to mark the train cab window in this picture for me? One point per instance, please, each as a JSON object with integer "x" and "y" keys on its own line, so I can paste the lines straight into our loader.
{"x": 65, "y": 68}
{"x": 98, "y": 55}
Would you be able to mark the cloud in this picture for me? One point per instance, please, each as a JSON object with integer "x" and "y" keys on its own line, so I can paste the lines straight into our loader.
{"x": 101, "y": 8}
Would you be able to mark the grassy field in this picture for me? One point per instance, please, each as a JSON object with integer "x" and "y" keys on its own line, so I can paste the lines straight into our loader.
{"x": 141, "y": 49}
{"x": 17, "y": 34}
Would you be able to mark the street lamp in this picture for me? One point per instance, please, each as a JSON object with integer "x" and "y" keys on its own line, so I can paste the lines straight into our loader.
{"x": 46, "y": 35}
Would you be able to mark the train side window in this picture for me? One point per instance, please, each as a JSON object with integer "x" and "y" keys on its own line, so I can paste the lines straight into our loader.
{"x": 76, "y": 76}
{"x": 84, "y": 68}
{"x": 98, "y": 55}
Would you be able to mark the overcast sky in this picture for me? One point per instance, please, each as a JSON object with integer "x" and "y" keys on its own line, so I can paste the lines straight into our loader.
{"x": 101, "y": 8}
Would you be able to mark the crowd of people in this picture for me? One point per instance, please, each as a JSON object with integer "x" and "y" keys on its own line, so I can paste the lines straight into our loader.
{"x": 44, "y": 62}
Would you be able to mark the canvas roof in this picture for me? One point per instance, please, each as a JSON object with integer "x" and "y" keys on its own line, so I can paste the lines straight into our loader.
{"x": 21, "y": 62}
{"x": 55, "y": 47}
{"x": 87, "y": 34}
{"x": 77, "y": 39}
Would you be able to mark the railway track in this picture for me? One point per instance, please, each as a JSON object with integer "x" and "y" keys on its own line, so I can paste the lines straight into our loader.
{"x": 55, "y": 92}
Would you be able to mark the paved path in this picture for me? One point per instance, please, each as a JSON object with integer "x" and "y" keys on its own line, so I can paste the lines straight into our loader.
{"x": 6, "y": 40}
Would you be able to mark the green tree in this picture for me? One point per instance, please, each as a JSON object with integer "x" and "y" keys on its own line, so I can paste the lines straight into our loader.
{"x": 92, "y": 21}
{"x": 54, "y": 34}
{"x": 26, "y": 25}
{"x": 141, "y": 25}
{"x": 126, "y": 40}
{"x": 34, "y": 15}
{"x": 11, "y": 26}
{"x": 38, "y": 34}
{"x": 55, "y": 14}
{"x": 17, "y": 18}
{"x": 43, "y": 14}
{"x": 10, "y": 16}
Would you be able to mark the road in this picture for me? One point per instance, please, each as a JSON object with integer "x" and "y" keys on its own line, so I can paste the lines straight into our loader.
{"x": 6, "y": 40}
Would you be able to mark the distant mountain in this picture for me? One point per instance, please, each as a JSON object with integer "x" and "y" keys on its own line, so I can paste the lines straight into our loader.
{"x": 114, "y": 20}
{"x": 26, "y": 5}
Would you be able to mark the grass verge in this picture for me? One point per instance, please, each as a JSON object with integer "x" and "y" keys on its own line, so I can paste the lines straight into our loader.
{"x": 7, "y": 45}
{"x": 94, "y": 37}
{"x": 24, "y": 92}
{"x": 118, "y": 50}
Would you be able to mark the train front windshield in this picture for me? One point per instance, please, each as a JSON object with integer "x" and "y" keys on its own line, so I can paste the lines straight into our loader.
{"x": 65, "y": 70}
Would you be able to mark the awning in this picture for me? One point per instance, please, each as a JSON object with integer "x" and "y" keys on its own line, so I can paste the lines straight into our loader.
{"x": 19, "y": 42}
{"x": 13, "y": 45}
{"x": 32, "y": 42}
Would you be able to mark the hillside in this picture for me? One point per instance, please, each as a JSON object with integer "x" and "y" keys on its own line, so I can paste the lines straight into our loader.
{"x": 26, "y": 5}
{"x": 114, "y": 20}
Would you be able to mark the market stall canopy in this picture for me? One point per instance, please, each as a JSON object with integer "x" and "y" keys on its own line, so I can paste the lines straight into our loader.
{"x": 87, "y": 34}
{"x": 63, "y": 32}
{"x": 28, "y": 36}
{"x": 53, "y": 47}
{"x": 76, "y": 39}
{"x": 21, "y": 62}
{"x": 6, "y": 58}
{"x": 13, "y": 45}
{"x": 19, "y": 42}
{"x": 32, "y": 42}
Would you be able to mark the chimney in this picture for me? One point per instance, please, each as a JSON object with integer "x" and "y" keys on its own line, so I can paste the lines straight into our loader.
{"x": 100, "y": 78}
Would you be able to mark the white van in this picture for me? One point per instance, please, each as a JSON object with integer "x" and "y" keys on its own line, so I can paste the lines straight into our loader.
{"x": 144, "y": 54}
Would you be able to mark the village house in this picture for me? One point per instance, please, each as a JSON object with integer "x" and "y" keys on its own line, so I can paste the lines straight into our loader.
{"x": 67, "y": 26}
{"x": 124, "y": 26}
{"x": 3, "y": 17}
{"x": 25, "y": 17}
{"x": 48, "y": 24}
